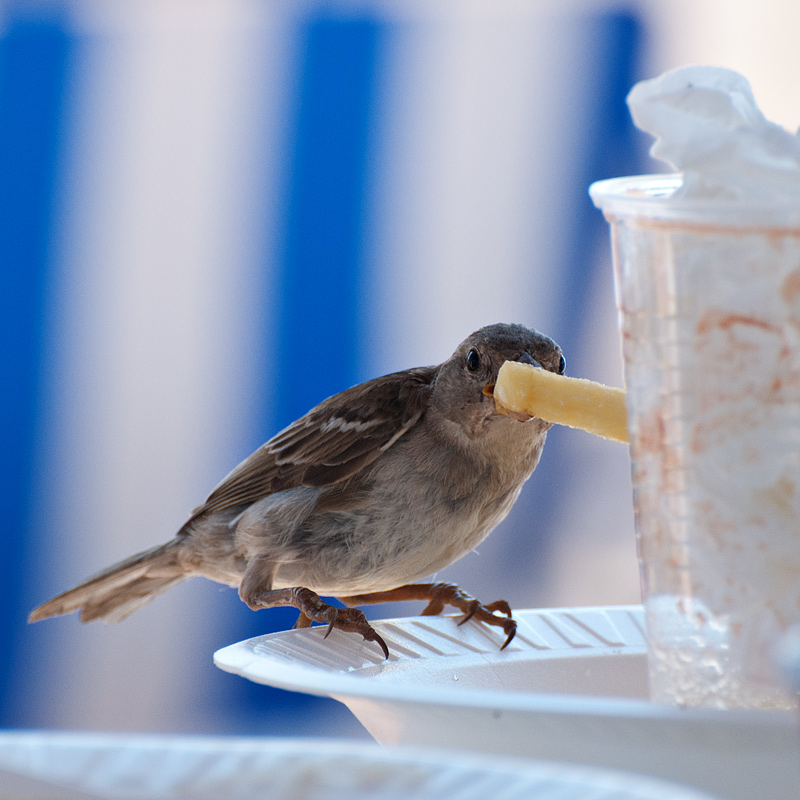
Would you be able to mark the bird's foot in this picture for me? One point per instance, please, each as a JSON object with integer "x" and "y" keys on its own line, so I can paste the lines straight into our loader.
{"x": 448, "y": 594}
{"x": 314, "y": 609}
{"x": 440, "y": 595}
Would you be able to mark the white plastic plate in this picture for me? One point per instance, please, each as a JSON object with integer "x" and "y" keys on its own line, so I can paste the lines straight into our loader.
{"x": 572, "y": 686}
{"x": 139, "y": 767}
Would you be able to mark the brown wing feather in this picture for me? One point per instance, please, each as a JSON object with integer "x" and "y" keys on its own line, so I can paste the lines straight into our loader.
{"x": 332, "y": 442}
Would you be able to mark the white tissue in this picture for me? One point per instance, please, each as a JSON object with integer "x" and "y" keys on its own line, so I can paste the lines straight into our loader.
{"x": 707, "y": 126}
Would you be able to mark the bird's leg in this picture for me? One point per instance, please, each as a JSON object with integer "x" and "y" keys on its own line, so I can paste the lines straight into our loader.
{"x": 302, "y": 622}
{"x": 313, "y": 609}
{"x": 440, "y": 595}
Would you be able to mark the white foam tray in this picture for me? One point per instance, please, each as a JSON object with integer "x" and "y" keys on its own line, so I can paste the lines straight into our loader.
{"x": 73, "y": 766}
{"x": 571, "y": 687}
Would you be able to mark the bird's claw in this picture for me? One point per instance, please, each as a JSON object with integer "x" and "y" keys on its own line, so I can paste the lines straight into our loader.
{"x": 442, "y": 594}
{"x": 350, "y": 620}
{"x": 472, "y": 607}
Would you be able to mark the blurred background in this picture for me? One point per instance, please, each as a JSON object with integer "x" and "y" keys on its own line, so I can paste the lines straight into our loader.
{"x": 215, "y": 213}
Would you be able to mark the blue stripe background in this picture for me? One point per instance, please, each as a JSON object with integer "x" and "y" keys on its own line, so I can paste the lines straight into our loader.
{"x": 321, "y": 275}
{"x": 320, "y": 288}
{"x": 34, "y": 63}
{"x": 608, "y": 148}
{"x": 605, "y": 146}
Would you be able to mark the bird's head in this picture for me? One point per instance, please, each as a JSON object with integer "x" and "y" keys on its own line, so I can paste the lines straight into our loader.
{"x": 463, "y": 390}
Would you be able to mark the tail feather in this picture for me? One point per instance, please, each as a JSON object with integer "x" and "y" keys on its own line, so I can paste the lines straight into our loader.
{"x": 119, "y": 590}
{"x": 123, "y": 602}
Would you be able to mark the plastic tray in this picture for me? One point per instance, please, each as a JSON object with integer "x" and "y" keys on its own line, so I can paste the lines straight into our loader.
{"x": 68, "y": 766}
{"x": 572, "y": 686}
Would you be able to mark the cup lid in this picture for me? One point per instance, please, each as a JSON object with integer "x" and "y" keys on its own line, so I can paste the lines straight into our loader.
{"x": 654, "y": 197}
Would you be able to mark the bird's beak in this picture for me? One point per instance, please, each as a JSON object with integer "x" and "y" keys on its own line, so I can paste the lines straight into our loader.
{"x": 527, "y": 358}
{"x": 488, "y": 390}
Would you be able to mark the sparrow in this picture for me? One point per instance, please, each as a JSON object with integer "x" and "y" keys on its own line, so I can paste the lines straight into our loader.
{"x": 371, "y": 491}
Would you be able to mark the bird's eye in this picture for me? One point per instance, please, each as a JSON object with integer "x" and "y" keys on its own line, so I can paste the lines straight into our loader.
{"x": 473, "y": 360}
{"x": 562, "y": 365}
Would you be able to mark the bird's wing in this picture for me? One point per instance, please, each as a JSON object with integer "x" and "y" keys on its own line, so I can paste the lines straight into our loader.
{"x": 332, "y": 442}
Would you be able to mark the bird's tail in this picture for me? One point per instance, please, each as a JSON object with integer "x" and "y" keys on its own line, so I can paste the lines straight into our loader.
{"x": 116, "y": 592}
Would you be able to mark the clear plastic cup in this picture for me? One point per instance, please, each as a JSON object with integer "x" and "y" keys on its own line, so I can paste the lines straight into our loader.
{"x": 708, "y": 294}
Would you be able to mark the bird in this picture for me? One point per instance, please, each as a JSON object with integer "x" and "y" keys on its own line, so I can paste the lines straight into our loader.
{"x": 373, "y": 490}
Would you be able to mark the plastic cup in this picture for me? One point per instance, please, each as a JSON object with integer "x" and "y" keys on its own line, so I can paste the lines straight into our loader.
{"x": 708, "y": 294}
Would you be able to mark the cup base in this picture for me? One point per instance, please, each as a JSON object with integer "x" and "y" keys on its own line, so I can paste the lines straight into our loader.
{"x": 692, "y": 663}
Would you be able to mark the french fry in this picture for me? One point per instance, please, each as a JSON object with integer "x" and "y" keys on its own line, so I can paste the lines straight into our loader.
{"x": 575, "y": 402}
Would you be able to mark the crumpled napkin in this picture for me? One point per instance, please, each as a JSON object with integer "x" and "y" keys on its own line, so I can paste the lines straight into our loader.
{"x": 708, "y": 126}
